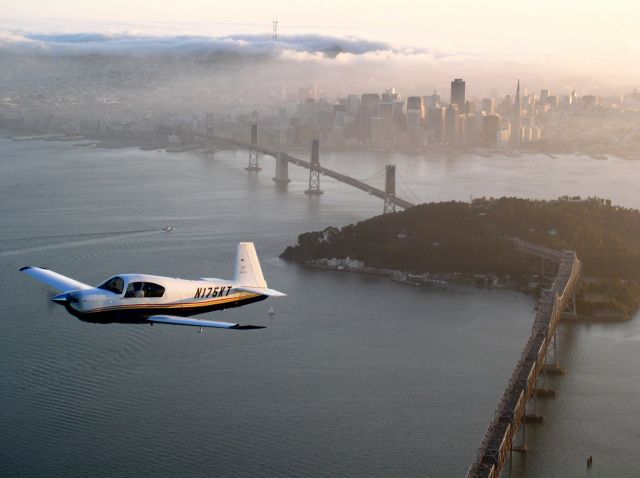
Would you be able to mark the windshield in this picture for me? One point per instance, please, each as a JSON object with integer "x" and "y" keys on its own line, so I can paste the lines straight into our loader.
{"x": 115, "y": 285}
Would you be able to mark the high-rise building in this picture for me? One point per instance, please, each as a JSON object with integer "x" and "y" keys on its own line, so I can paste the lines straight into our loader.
{"x": 469, "y": 107}
{"x": 517, "y": 121}
{"x": 369, "y": 108}
{"x": 414, "y": 103}
{"x": 451, "y": 124}
{"x": 435, "y": 125}
{"x": 414, "y": 120}
{"x": 544, "y": 96}
{"x": 463, "y": 132}
{"x": 399, "y": 118}
{"x": 353, "y": 103}
{"x": 389, "y": 94}
{"x": 381, "y": 132}
{"x": 414, "y": 112}
{"x": 489, "y": 106}
{"x": 457, "y": 92}
{"x": 490, "y": 128}
{"x": 432, "y": 101}
{"x": 386, "y": 109}
{"x": 504, "y": 135}
{"x": 378, "y": 130}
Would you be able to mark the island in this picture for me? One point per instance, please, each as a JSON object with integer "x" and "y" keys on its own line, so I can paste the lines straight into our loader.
{"x": 473, "y": 242}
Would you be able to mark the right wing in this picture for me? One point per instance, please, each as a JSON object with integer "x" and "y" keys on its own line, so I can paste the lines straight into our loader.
{"x": 53, "y": 279}
{"x": 175, "y": 320}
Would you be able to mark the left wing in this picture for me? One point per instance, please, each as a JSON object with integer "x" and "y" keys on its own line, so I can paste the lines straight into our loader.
{"x": 175, "y": 320}
{"x": 53, "y": 279}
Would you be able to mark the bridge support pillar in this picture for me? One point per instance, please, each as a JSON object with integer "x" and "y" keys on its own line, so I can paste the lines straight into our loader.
{"x": 531, "y": 416}
{"x": 253, "y": 154}
{"x": 314, "y": 172}
{"x": 390, "y": 189}
{"x": 542, "y": 390}
{"x": 522, "y": 447}
{"x": 571, "y": 311}
{"x": 551, "y": 365}
{"x": 282, "y": 170}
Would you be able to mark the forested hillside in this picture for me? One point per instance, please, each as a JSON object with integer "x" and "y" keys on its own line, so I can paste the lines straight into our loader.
{"x": 463, "y": 237}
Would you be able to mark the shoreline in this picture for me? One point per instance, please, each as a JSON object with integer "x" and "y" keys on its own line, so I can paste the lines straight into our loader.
{"x": 429, "y": 152}
{"x": 465, "y": 280}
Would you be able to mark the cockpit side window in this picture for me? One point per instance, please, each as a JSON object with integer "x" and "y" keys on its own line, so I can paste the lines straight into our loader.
{"x": 153, "y": 290}
{"x": 135, "y": 289}
{"x": 115, "y": 285}
{"x": 144, "y": 289}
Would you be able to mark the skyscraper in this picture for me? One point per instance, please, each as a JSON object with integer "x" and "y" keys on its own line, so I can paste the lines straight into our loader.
{"x": 490, "y": 128}
{"x": 451, "y": 124}
{"x": 432, "y": 101}
{"x": 457, "y": 92}
{"x": 414, "y": 112}
{"x": 435, "y": 125}
{"x": 544, "y": 96}
{"x": 489, "y": 106}
{"x": 516, "y": 117}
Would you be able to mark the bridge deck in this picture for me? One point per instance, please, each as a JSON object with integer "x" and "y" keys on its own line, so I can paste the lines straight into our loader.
{"x": 536, "y": 250}
{"x": 498, "y": 439}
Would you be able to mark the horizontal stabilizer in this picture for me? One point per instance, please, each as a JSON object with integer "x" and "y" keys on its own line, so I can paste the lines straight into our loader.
{"x": 261, "y": 291}
{"x": 175, "y": 320}
{"x": 53, "y": 279}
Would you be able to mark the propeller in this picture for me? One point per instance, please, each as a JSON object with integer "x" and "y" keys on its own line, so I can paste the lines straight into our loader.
{"x": 64, "y": 298}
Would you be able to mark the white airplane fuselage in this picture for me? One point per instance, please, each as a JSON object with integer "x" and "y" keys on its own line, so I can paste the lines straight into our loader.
{"x": 144, "y": 298}
{"x": 180, "y": 297}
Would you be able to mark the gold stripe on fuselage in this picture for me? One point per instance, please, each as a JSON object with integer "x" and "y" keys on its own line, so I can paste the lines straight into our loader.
{"x": 175, "y": 305}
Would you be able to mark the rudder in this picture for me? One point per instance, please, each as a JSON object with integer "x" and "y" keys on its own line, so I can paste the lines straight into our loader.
{"x": 248, "y": 271}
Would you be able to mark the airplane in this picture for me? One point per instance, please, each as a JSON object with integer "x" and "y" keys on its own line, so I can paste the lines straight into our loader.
{"x": 142, "y": 298}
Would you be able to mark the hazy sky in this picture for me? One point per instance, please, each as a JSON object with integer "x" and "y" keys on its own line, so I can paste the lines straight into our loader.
{"x": 595, "y": 38}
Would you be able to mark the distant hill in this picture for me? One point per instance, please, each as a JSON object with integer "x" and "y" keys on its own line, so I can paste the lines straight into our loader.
{"x": 463, "y": 237}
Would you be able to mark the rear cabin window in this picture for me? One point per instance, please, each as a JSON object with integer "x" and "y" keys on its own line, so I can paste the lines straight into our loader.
{"x": 115, "y": 285}
{"x": 144, "y": 289}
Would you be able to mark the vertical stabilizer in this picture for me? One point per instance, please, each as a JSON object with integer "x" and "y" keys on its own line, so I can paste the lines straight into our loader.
{"x": 248, "y": 272}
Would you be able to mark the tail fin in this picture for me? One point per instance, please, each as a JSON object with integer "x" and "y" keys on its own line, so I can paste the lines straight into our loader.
{"x": 248, "y": 271}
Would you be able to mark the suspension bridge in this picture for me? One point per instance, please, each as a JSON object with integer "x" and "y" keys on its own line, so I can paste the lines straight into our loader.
{"x": 388, "y": 194}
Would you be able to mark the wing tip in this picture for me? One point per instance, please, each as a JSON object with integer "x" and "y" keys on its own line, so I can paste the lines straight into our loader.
{"x": 247, "y": 327}
{"x": 24, "y": 268}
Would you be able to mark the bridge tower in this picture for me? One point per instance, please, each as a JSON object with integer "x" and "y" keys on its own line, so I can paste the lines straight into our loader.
{"x": 211, "y": 146}
{"x": 390, "y": 189}
{"x": 282, "y": 170}
{"x": 314, "y": 171}
{"x": 253, "y": 154}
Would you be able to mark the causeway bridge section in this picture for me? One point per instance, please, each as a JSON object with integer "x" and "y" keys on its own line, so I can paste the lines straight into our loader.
{"x": 538, "y": 356}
